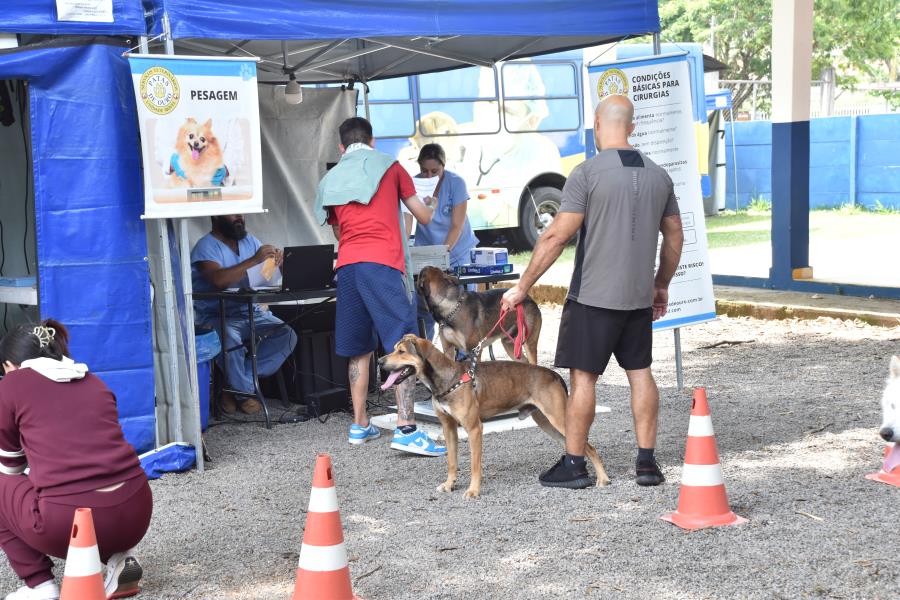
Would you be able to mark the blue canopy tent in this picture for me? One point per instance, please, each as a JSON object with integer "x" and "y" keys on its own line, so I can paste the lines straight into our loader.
{"x": 327, "y": 40}
{"x": 40, "y": 17}
{"x": 91, "y": 244}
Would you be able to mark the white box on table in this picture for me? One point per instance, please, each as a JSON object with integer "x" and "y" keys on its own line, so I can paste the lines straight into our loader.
{"x": 489, "y": 256}
{"x": 429, "y": 256}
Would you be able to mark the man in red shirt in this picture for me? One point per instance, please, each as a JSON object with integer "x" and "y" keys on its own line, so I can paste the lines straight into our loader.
{"x": 372, "y": 300}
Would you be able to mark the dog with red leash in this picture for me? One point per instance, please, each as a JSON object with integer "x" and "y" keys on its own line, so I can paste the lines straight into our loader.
{"x": 471, "y": 320}
{"x": 467, "y": 393}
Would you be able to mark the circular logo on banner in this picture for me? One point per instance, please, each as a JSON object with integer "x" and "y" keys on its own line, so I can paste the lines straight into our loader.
{"x": 159, "y": 90}
{"x": 612, "y": 82}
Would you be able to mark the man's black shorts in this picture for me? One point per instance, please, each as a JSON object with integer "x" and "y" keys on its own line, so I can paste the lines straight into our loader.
{"x": 588, "y": 336}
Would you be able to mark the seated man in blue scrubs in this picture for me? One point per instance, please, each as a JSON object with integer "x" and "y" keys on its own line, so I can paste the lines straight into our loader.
{"x": 220, "y": 260}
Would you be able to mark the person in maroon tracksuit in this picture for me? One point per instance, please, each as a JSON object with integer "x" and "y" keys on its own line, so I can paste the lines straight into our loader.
{"x": 61, "y": 448}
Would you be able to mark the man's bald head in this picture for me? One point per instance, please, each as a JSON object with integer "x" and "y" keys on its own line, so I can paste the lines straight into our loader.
{"x": 614, "y": 121}
{"x": 615, "y": 110}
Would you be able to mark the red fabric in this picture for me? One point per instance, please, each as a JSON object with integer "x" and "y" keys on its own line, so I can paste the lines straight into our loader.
{"x": 69, "y": 431}
{"x": 371, "y": 232}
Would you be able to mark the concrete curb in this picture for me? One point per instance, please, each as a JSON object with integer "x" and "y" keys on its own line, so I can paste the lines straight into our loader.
{"x": 556, "y": 294}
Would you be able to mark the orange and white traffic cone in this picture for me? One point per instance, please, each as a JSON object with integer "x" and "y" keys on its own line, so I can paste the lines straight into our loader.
{"x": 890, "y": 467}
{"x": 702, "y": 501}
{"x": 323, "y": 573}
{"x": 82, "y": 579}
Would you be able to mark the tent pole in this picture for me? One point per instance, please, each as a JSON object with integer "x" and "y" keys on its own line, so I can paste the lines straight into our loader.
{"x": 195, "y": 428}
{"x": 161, "y": 238}
{"x": 145, "y": 49}
{"x": 679, "y": 367}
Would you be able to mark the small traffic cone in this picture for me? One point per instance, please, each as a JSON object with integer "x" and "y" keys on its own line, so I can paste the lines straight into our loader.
{"x": 890, "y": 469}
{"x": 323, "y": 573}
{"x": 702, "y": 501}
{"x": 82, "y": 579}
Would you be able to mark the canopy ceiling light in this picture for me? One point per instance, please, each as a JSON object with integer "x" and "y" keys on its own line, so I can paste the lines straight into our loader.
{"x": 293, "y": 93}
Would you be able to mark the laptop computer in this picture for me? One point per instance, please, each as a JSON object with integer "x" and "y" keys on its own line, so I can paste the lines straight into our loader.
{"x": 307, "y": 268}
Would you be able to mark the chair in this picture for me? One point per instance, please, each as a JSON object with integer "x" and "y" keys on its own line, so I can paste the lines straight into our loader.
{"x": 220, "y": 386}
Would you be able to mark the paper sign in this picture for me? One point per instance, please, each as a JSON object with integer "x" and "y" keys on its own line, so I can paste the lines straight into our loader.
{"x": 95, "y": 11}
{"x": 199, "y": 123}
{"x": 425, "y": 186}
{"x": 660, "y": 88}
{"x": 257, "y": 280}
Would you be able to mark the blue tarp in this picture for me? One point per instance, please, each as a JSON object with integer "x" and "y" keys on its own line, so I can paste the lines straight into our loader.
{"x": 88, "y": 199}
{"x": 335, "y": 19}
{"x": 39, "y": 16}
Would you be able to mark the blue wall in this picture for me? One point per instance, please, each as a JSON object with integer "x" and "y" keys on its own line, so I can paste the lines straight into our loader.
{"x": 845, "y": 166}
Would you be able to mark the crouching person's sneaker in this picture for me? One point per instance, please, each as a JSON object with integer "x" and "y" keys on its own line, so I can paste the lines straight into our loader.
{"x": 123, "y": 576}
{"x": 648, "y": 473}
{"x": 567, "y": 473}
{"x": 416, "y": 442}
{"x": 44, "y": 591}
{"x": 361, "y": 435}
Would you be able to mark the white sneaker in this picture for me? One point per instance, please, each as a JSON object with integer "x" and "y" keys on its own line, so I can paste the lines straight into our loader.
{"x": 45, "y": 591}
{"x": 123, "y": 576}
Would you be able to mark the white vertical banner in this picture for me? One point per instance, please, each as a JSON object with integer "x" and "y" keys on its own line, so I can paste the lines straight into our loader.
{"x": 660, "y": 88}
{"x": 200, "y": 137}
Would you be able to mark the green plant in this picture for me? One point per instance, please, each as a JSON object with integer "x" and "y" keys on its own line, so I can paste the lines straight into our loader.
{"x": 759, "y": 205}
{"x": 881, "y": 209}
{"x": 847, "y": 209}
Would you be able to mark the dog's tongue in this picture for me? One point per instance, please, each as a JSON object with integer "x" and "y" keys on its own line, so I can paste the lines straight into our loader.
{"x": 892, "y": 460}
{"x": 195, "y": 154}
{"x": 391, "y": 379}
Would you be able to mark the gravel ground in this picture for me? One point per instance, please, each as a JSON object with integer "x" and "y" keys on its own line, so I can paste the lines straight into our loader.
{"x": 795, "y": 409}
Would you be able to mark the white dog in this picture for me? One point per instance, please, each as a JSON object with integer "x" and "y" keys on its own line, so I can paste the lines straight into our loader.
{"x": 890, "y": 408}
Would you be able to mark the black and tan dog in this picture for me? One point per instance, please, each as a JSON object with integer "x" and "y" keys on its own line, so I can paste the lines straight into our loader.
{"x": 465, "y": 318}
{"x": 465, "y": 397}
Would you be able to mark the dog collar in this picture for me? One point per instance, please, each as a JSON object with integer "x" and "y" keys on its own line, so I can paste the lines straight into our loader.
{"x": 446, "y": 320}
{"x": 467, "y": 377}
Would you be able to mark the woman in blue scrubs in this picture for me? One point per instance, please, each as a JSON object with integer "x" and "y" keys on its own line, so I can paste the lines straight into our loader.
{"x": 449, "y": 226}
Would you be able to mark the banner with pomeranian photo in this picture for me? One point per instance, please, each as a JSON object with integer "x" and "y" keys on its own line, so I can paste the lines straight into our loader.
{"x": 199, "y": 123}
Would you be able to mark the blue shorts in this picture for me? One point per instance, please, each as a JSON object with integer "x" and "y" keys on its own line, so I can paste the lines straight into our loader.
{"x": 371, "y": 304}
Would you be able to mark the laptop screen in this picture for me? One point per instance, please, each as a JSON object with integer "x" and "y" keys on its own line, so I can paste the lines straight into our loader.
{"x": 308, "y": 268}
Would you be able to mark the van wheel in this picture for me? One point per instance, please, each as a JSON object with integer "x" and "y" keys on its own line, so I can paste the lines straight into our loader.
{"x": 535, "y": 217}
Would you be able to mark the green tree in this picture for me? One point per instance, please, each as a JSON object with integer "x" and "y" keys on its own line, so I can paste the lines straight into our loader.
{"x": 859, "y": 38}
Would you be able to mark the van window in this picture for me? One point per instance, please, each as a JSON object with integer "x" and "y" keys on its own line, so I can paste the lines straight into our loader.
{"x": 390, "y": 108}
{"x": 540, "y": 97}
{"x": 459, "y": 102}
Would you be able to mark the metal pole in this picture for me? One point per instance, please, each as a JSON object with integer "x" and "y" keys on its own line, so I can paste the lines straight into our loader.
{"x": 679, "y": 376}
{"x": 195, "y": 426}
{"x": 734, "y": 159}
{"x": 196, "y": 433}
{"x": 679, "y": 373}
{"x": 753, "y": 88}
{"x": 145, "y": 49}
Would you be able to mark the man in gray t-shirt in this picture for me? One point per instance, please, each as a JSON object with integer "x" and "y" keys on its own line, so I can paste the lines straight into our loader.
{"x": 617, "y": 202}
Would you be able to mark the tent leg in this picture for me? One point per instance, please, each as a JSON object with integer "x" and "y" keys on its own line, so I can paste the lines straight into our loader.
{"x": 171, "y": 310}
{"x": 194, "y": 427}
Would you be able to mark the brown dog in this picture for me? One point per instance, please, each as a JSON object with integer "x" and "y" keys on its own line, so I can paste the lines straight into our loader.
{"x": 497, "y": 387}
{"x": 199, "y": 154}
{"x": 466, "y": 317}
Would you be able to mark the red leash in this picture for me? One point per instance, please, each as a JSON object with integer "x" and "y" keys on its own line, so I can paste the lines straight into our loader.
{"x": 521, "y": 334}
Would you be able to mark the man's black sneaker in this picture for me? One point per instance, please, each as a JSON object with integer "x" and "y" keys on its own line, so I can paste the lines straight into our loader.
{"x": 648, "y": 473}
{"x": 566, "y": 474}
